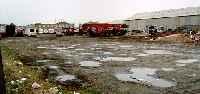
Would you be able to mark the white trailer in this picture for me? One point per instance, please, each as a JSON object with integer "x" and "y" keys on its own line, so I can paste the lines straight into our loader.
{"x": 30, "y": 31}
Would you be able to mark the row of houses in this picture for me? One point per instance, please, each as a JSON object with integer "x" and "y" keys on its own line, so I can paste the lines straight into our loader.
{"x": 185, "y": 18}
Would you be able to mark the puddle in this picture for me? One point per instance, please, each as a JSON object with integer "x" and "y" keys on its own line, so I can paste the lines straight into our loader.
{"x": 64, "y": 78}
{"x": 75, "y": 45}
{"x": 113, "y": 47}
{"x": 123, "y": 54}
{"x": 41, "y": 47}
{"x": 187, "y": 61}
{"x": 180, "y": 65}
{"x": 144, "y": 76}
{"x": 72, "y": 47}
{"x": 108, "y": 53}
{"x": 43, "y": 61}
{"x": 10, "y": 40}
{"x": 79, "y": 49}
{"x": 69, "y": 55}
{"x": 59, "y": 48}
{"x": 53, "y": 67}
{"x": 168, "y": 69}
{"x": 135, "y": 53}
{"x": 125, "y": 46}
{"x": 158, "y": 52}
{"x": 118, "y": 59}
{"x": 67, "y": 62}
{"x": 89, "y": 64}
{"x": 184, "y": 62}
{"x": 98, "y": 48}
{"x": 46, "y": 53}
{"x": 86, "y": 53}
{"x": 142, "y": 55}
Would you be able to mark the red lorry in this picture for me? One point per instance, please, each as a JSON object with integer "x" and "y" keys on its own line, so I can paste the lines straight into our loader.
{"x": 103, "y": 29}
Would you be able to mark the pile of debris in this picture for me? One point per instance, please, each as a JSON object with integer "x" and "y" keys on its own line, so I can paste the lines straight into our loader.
{"x": 175, "y": 38}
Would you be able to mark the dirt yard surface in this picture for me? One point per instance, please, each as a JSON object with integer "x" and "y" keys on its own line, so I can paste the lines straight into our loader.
{"x": 112, "y": 65}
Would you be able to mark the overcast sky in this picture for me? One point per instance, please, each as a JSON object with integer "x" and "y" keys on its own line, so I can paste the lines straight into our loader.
{"x": 29, "y": 11}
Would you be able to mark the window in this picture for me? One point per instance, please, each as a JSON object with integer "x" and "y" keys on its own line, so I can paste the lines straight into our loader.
{"x": 31, "y": 30}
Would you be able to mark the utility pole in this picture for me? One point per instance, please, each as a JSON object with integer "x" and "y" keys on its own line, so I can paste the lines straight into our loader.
{"x": 2, "y": 80}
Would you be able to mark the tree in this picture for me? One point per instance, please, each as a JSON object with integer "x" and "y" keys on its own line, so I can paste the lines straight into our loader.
{"x": 10, "y": 30}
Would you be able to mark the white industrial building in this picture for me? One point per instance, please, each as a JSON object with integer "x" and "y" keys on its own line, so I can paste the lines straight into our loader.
{"x": 51, "y": 28}
{"x": 169, "y": 19}
{"x": 2, "y": 28}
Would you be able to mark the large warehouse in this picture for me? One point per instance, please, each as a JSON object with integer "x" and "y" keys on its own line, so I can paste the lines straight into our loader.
{"x": 168, "y": 19}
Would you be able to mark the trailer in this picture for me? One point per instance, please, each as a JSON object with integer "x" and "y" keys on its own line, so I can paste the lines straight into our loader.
{"x": 30, "y": 31}
{"x": 103, "y": 29}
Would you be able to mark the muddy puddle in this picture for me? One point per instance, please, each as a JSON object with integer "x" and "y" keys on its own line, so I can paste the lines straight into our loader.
{"x": 42, "y": 47}
{"x": 119, "y": 59}
{"x": 145, "y": 76}
{"x": 158, "y": 52}
{"x": 86, "y": 54}
{"x": 79, "y": 49}
{"x": 56, "y": 74}
{"x": 125, "y": 46}
{"x": 142, "y": 55}
{"x": 41, "y": 62}
{"x": 187, "y": 61}
{"x": 66, "y": 77}
{"x": 168, "y": 69}
{"x": 184, "y": 62}
{"x": 89, "y": 64}
{"x": 108, "y": 53}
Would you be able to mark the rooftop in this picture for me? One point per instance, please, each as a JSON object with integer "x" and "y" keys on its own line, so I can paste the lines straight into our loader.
{"x": 168, "y": 13}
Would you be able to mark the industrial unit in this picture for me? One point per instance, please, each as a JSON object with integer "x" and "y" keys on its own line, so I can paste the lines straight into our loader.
{"x": 50, "y": 28}
{"x": 187, "y": 18}
{"x": 2, "y": 28}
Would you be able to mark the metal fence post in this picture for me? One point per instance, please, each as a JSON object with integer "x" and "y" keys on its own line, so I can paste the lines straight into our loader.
{"x": 2, "y": 80}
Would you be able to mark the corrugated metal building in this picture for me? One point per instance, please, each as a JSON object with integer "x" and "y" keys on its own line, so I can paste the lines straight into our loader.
{"x": 169, "y": 19}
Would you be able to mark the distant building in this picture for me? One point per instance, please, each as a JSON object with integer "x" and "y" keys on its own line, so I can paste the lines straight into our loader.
{"x": 2, "y": 28}
{"x": 50, "y": 28}
{"x": 189, "y": 18}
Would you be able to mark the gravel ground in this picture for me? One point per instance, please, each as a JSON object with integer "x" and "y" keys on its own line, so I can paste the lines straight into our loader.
{"x": 117, "y": 66}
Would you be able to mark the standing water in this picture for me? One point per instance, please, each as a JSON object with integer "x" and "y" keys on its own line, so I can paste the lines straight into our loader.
{"x": 144, "y": 76}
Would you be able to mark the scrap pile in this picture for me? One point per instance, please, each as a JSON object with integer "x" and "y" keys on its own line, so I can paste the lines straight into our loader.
{"x": 175, "y": 38}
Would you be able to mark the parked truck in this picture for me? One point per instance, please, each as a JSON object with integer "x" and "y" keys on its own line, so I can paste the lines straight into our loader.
{"x": 103, "y": 29}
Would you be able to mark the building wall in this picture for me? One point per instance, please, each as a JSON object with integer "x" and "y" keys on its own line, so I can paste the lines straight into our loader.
{"x": 166, "y": 22}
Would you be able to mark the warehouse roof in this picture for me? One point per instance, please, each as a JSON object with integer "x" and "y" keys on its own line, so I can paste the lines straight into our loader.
{"x": 168, "y": 13}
